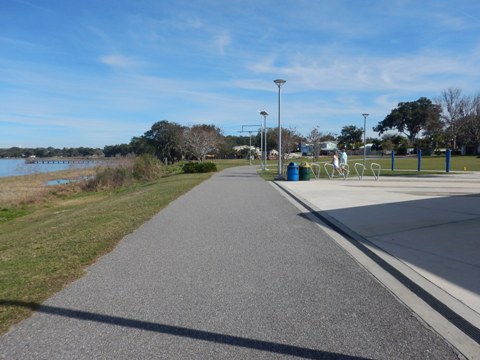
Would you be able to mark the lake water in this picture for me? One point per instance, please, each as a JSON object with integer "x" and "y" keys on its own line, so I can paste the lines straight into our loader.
{"x": 17, "y": 167}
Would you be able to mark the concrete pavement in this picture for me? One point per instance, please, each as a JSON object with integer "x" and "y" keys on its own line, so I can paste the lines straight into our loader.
{"x": 427, "y": 227}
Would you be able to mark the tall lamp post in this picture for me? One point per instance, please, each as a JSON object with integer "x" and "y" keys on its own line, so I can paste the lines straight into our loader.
{"x": 364, "y": 139}
{"x": 279, "y": 83}
{"x": 264, "y": 150}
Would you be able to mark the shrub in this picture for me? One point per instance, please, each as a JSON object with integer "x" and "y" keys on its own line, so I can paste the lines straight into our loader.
{"x": 120, "y": 173}
{"x": 147, "y": 167}
{"x": 109, "y": 178}
{"x": 174, "y": 169}
{"x": 203, "y": 167}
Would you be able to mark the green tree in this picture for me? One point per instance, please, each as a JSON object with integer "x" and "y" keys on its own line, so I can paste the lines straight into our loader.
{"x": 350, "y": 137}
{"x": 115, "y": 150}
{"x": 410, "y": 118}
{"x": 165, "y": 138}
{"x": 140, "y": 145}
{"x": 391, "y": 142}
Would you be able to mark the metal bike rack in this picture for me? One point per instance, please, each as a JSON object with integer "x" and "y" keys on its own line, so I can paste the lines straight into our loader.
{"x": 374, "y": 168}
{"x": 326, "y": 166}
{"x": 378, "y": 168}
{"x": 314, "y": 166}
{"x": 356, "y": 166}
{"x": 331, "y": 174}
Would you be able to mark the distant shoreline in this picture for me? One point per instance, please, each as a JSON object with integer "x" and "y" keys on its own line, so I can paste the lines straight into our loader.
{"x": 13, "y": 167}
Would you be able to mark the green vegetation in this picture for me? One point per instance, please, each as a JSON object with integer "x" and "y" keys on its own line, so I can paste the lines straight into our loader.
{"x": 403, "y": 165}
{"x": 191, "y": 168}
{"x": 46, "y": 244}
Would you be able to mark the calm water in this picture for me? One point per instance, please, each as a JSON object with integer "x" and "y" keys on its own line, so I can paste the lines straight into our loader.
{"x": 17, "y": 167}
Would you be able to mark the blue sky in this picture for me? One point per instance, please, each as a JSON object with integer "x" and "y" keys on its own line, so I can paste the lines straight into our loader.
{"x": 98, "y": 72}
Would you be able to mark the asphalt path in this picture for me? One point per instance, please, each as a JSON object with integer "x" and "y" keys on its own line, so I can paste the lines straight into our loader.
{"x": 231, "y": 270}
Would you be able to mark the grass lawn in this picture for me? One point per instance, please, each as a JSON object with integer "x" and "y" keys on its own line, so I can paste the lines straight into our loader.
{"x": 46, "y": 245}
{"x": 403, "y": 165}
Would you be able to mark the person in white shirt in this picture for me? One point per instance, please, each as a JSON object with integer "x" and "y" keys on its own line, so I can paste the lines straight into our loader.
{"x": 343, "y": 160}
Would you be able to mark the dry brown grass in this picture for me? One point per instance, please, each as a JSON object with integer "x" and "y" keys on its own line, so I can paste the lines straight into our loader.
{"x": 28, "y": 189}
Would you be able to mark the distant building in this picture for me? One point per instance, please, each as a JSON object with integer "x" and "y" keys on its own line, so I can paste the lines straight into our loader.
{"x": 326, "y": 147}
{"x": 368, "y": 147}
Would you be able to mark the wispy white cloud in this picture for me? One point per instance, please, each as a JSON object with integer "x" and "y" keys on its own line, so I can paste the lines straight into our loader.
{"x": 427, "y": 70}
{"x": 119, "y": 61}
{"x": 32, "y": 5}
{"x": 221, "y": 41}
{"x": 20, "y": 43}
{"x": 188, "y": 62}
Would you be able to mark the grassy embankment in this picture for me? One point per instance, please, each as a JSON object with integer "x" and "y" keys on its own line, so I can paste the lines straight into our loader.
{"x": 49, "y": 235}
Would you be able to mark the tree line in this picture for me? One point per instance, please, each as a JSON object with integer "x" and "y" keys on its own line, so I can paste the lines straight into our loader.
{"x": 172, "y": 142}
{"x": 18, "y": 152}
{"x": 452, "y": 121}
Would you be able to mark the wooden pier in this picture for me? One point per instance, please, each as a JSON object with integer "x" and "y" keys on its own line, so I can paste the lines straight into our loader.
{"x": 59, "y": 161}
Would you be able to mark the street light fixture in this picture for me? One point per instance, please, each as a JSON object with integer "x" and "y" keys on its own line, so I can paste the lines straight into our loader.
{"x": 279, "y": 83}
{"x": 250, "y": 133}
{"x": 264, "y": 150}
{"x": 364, "y": 139}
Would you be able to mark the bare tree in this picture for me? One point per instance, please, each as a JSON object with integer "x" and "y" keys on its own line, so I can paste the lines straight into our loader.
{"x": 454, "y": 106}
{"x": 470, "y": 124}
{"x": 201, "y": 140}
{"x": 314, "y": 139}
{"x": 290, "y": 140}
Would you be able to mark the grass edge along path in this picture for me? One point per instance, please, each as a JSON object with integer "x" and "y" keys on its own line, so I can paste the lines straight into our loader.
{"x": 42, "y": 252}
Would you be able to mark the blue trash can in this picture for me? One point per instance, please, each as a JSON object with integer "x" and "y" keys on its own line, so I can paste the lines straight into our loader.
{"x": 292, "y": 172}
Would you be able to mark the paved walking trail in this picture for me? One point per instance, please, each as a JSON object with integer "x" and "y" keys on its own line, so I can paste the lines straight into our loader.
{"x": 231, "y": 270}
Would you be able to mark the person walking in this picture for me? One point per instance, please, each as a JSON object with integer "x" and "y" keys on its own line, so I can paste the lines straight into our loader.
{"x": 343, "y": 160}
{"x": 336, "y": 165}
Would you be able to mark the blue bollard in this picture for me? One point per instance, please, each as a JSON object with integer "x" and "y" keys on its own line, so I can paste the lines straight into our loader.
{"x": 448, "y": 155}
{"x": 419, "y": 160}
{"x": 393, "y": 160}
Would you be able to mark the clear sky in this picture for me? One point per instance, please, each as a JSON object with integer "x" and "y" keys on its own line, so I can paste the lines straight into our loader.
{"x": 98, "y": 72}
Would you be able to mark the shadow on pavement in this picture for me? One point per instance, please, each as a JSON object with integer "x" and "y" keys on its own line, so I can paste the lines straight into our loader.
{"x": 438, "y": 235}
{"x": 411, "y": 238}
{"x": 182, "y": 332}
